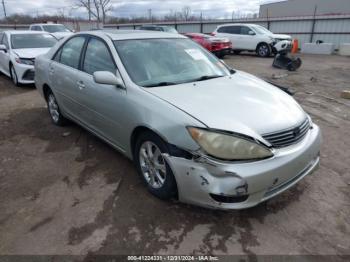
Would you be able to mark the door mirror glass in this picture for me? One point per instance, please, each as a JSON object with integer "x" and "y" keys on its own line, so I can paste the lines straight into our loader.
{"x": 3, "y": 48}
{"x": 107, "y": 78}
{"x": 251, "y": 32}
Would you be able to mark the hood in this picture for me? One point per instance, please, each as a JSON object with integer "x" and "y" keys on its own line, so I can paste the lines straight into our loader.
{"x": 30, "y": 52}
{"x": 241, "y": 103}
{"x": 60, "y": 35}
{"x": 282, "y": 37}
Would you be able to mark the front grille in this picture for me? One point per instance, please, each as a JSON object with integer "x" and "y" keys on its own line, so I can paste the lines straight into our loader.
{"x": 28, "y": 75}
{"x": 229, "y": 199}
{"x": 289, "y": 136}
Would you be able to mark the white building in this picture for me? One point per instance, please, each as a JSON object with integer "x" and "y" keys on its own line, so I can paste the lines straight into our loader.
{"x": 304, "y": 8}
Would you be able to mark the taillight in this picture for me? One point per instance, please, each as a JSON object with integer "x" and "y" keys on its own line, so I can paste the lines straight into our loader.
{"x": 218, "y": 46}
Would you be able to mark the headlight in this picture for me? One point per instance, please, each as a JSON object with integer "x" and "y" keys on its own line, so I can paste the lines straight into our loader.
{"x": 25, "y": 61}
{"x": 228, "y": 147}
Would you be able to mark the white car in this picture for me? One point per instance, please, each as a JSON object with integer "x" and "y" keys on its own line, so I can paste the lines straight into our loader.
{"x": 250, "y": 37}
{"x": 57, "y": 30}
{"x": 18, "y": 50}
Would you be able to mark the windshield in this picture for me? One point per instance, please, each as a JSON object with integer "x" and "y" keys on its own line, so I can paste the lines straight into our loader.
{"x": 19, "y": 41}
{"x": 55, "y": 28}
{"x": 160, "y": 62}
{"x": 261, "y": 30}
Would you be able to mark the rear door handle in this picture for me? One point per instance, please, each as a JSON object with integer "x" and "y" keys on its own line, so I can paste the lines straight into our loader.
{"x": 81, "y": 85}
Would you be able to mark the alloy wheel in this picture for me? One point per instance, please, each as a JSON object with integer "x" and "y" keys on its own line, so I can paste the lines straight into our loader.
{"x": 263, "y": 50}
{"x": 53, "y": 108}
{"x": 152, "y": 164}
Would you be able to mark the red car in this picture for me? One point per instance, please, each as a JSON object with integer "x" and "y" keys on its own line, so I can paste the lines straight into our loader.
{"x": 219, "y": 46}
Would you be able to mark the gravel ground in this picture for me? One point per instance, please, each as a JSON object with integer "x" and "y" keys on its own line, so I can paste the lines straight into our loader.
{"x": 64, "y": 191}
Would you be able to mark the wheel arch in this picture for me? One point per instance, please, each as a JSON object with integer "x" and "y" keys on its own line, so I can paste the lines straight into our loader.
{"x": 261, "y": 43}
{"x": 139, "y": 130}
{"x": 173, "y": 149}
{"x": 46, "y": 90}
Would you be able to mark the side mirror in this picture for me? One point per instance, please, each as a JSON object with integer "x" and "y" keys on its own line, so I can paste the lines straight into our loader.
{"x": 107, "y": 78}
{"x": 3, "y": 48}
{"x": 251, "y": 32}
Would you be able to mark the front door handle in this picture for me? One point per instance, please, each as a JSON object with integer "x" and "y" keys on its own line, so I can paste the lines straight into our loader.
{"x": 81, "y": 85}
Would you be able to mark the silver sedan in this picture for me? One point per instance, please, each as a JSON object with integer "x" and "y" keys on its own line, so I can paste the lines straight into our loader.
{"x": 196, "y": 129}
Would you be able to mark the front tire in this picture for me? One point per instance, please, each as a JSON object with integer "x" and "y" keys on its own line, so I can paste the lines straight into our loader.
{"x": 14, "y": 75}
{"x": 153, "y": 168}
{"x": 263, "y": 50}
{"x": 55, "y": 113}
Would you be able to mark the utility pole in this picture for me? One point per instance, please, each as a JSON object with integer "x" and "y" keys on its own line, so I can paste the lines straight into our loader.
{"x": 89, "y": 7}
{"x": 150, "y": 15}
{"x": 3, "y": 6}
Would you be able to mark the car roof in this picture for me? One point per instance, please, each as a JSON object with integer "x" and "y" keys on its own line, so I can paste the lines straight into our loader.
{"x": 237, "y": 24}
{"x": 154, "y": 26}
{"x": 132, "y": 34}
{"x": 46, "y": 24}
{"x": 16, "y": 32}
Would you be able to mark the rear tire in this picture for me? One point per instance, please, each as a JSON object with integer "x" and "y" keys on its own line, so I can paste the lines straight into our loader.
{"x": 263, "y": 50}
{"x": 152, "y": 167}
{"x": 55, "y": 113}
{"x": 237, "y": 52}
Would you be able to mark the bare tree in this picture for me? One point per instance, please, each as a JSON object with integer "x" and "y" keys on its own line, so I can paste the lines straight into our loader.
{"x": 96, "y": 8}
{"x": 105, "y": 6}
{"x": 186, "y": 12}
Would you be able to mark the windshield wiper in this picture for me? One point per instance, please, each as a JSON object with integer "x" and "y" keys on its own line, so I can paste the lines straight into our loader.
{"x": 202, "y": 78}
{"x": 161, "y": 84}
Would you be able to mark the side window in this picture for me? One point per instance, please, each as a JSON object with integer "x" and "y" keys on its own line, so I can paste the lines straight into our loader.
{"x": 245, "y": 30}
{"x": 223, "y": 29}
{"x": 57, "y": 56}
{"x": 70, "y": 52}
{"x": 236, "y": 30}
{"x": 230, "y": 30}
{"x": 1, "y": 35}
{"x": 5, "y": 41}
{"x": 98, "y": 58}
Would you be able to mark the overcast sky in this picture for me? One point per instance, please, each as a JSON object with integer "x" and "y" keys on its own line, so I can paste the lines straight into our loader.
{"x": 129, "y": 8}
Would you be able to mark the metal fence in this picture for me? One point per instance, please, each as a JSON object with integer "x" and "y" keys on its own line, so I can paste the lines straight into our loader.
{"x": 327, "y": 28}
{"x": 307, "y": 29}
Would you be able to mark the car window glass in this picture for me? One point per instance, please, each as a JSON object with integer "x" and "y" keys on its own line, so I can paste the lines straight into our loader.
{"x": 98, "y": 58}
{"x": 235, "y": 30}
{"x": 1, "y": 35}
{"x": 223, "y": 29}
{"x": 70, "y": 53}
{"x": 57, "y": 56}
{"x": 230, "y": 29}
{"x": 245, "y": 30}
{"x": 5, "y": 41}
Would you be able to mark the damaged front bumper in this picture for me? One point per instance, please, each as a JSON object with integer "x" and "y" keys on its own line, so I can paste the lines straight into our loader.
{"x": 223, "y": 185}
